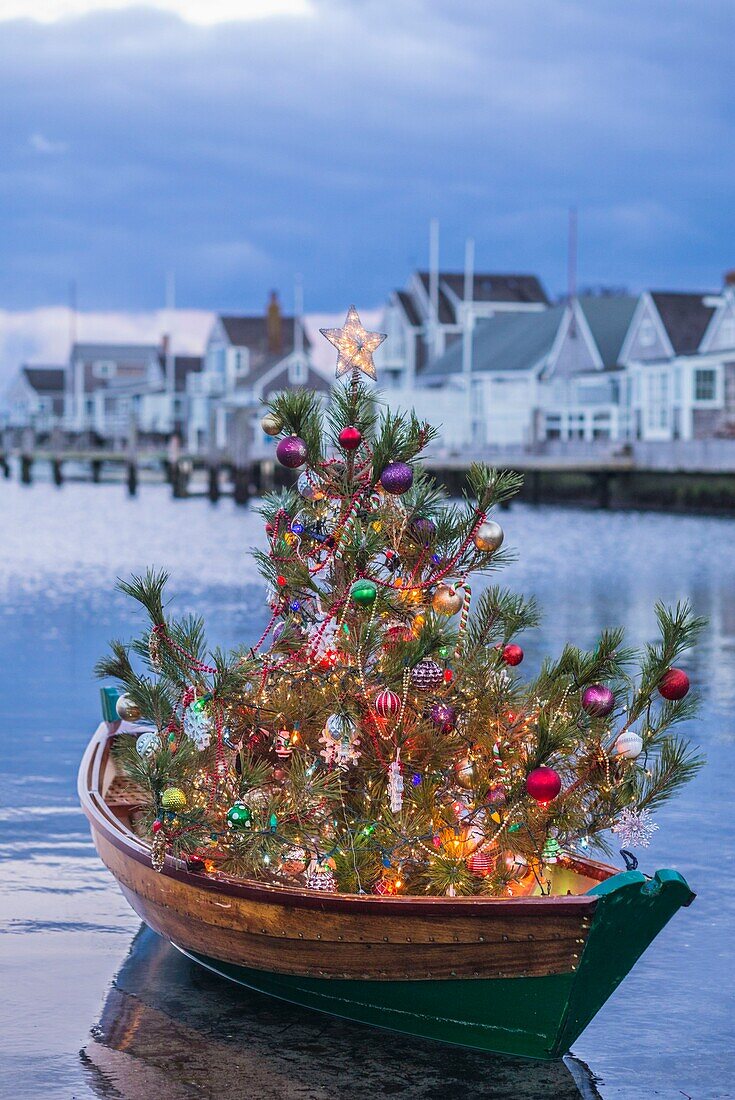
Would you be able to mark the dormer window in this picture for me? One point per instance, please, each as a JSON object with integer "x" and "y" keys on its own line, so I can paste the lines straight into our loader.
{"x": 104, "y": 368}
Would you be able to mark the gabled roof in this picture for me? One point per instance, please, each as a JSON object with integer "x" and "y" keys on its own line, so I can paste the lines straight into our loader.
{"x": 409, "y": 308}
{"x": 490, "y": 287}
{"x": 184, "y": 365}
{"x": 125, "y": 353}
{"x": 608, "y": 318}
{"x": 685, "y": 318}
{"x": 252, "y": 332}
{"x": 447, "y": 315}
{"x": 507, "y": 342}
{"x": 47, "y": 380}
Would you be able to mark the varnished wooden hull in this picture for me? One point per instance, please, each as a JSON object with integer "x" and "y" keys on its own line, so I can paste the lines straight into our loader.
{"x": 519, "y": 976}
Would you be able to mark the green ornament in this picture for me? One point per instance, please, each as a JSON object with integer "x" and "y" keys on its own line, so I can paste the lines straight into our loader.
{"x": 444, "y": 651}
{"x": 364, "y": 592}
{"x": 513, "y": 828}
{"x": 272, "y": 823}
{"x": 239, "y": 816}
{"x": 171, "y": 738}
{"x": 551, "y": 849}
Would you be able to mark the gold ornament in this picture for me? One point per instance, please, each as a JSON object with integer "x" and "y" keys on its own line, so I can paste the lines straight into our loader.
{"x": 271, "y": 424}
{"x": 465, "y": 772}
{"x": 158, "y": 852}
{"x": 488, "y": 536}
{"x": 354, "y": 344}
{"x": 447, "y": 600}
{"x": 127, "y": 709}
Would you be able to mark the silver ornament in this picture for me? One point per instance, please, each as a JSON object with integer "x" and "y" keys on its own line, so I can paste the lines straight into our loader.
{"x": 488, "y": 536}
{"x": 308, "y": 487}
{"x": 629, "y": 744}
{"x": 148, "y": 744}
{"x": 198, "y": 727}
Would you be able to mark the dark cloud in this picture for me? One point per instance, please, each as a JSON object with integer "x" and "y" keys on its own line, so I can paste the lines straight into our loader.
{"x": 241, "y": 153}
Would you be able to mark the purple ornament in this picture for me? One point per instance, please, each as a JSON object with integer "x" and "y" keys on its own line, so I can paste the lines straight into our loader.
{"x": 396, "y": 478}
{"x": 427, "y": 674}
{"x": 291, "y": 452}
{"x": 423, "y": 528}
{"x": 443, "y": 715}
{"x": 598, "y": 700}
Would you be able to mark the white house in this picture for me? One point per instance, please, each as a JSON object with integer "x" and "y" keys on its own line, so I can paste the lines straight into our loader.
{"x": 104, "y": 385}
{"x": 517, "y": 378}
{"x": 680, "y": 357}
{"x": 35, "y": 398}
{"x": 431, "y": 314}
{"x": 247, "y": 358}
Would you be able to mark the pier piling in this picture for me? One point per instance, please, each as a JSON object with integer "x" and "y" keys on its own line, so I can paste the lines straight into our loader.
{"x": 131, "y": 474}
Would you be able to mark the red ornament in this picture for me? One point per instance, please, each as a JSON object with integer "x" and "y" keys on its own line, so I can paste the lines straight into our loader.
{"x": 281, "y": 582}
{"x": 512, "y": 654}
{"x": 157, "y": 826}
{"x": 448, "y": 675}
{"x": 269, "y": 528}
{"x": 674, "y": 684}
{"x": 350, "y": 439}
{"x": 543, "y": 784}
{"x": 481, "y": 863}
{"x": 387, "y": 704}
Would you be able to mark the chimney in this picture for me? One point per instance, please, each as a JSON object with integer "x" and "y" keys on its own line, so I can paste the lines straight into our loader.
{"x": 730, "y": 278}
{"x": 165, "y": 341}
{"x": 274, "y": 325}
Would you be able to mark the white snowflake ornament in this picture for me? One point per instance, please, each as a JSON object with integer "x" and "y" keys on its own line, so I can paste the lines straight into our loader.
{"x": 395, "y": 785}
{"x": 198, "y": 726}
{"x": 634, "y": 828}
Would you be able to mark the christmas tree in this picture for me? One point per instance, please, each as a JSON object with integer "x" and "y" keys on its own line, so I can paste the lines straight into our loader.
{"x": 377, "y": 737}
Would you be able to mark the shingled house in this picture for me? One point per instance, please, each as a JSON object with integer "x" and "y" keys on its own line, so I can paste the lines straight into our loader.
{"x": 680, "y": 358}
{"x": 525, "y": 377}
{"x": 247, "y": 358}
{"x": 430, "y": 315}
{"x": 35, "y": 398}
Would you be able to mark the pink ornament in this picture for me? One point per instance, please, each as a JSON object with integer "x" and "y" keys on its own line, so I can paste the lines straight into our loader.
{"x": 598, "y": 700}
{"x": 350, "y": 439}
{"x": 397, "y": 478}
{"x": 674, "y": 684}
{"x": 543, "y": 785}
{"x": 512, "y": 654}
{"x": 291, "y": 452}
{"x": 387, "y": 703}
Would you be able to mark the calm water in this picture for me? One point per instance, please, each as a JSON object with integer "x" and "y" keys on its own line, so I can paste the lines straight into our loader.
{"x": 93, "y": 1007}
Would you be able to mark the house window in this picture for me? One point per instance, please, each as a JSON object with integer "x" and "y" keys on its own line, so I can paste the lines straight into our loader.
{"x": 647, "y": 333}
{"x": 297, "y": 372}
{"x": 104, "y": 368}
{"x": 242, "y": 361}
{"x": 553, "y": 426}
{"x": 601, "y": 425}
{"x": 705, "y": 385}
{"x": 576, "y": 426}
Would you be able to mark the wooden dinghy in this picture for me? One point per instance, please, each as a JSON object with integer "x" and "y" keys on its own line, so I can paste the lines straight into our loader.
{"x": 518, "y": 976}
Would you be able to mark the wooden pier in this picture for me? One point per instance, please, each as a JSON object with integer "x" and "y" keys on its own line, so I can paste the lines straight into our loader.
{"x": 626, "y": 479}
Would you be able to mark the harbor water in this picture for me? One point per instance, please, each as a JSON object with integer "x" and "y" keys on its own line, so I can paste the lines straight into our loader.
{"x": 94, "y": 1006}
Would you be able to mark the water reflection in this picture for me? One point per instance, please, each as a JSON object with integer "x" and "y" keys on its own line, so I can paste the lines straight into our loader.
{"x": 170, "y": 1028}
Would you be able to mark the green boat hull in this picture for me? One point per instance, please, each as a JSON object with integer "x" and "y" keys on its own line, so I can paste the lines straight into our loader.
{"x": 530, "y": 1017}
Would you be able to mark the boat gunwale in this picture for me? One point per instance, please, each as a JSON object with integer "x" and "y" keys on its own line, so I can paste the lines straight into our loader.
{"x": 102, "y": 819}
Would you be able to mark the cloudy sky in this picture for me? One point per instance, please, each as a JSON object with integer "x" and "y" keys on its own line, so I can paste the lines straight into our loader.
{"x": 237, "y": 142}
